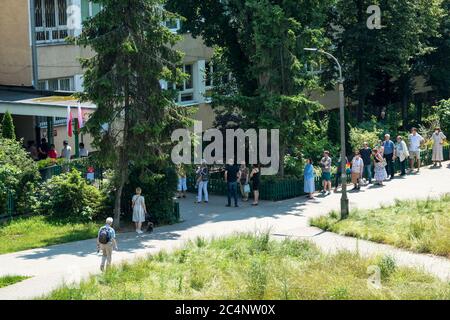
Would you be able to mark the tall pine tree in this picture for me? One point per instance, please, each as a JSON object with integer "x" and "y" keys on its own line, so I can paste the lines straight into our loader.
{"x": 8, "y": 130}
{"x": 133, "y": 52}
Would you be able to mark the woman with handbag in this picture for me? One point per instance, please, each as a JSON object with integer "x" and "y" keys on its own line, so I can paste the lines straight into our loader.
{"x": 438, "y": 143}
{"x": 255, "y": 177}
{"x": 139, "y": 210}
{"x": 380, "y": 164}
{"x": 401, "y": 152}
{"x": 243, "y": 181}
{"x": 202, "y": 182}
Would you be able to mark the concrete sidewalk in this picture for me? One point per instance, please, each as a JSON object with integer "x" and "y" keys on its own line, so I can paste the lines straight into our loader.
{"x": 52, "y": 266}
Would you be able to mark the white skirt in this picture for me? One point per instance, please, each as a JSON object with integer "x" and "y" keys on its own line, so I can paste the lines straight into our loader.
{"x": 138, "y": 214}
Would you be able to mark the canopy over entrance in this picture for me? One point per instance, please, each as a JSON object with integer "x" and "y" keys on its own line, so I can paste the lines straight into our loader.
{"x": 29, "y": 102}
{"x": 24, "y": 102}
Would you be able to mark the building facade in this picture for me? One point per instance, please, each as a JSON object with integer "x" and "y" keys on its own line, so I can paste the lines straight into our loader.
{"x": 34, "y": 53}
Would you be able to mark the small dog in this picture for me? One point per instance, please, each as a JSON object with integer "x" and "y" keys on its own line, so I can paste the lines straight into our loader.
{"x": 150, "y": 222}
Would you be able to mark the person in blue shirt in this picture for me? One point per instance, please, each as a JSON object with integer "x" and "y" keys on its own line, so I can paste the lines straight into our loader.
{"x": 308, "y": 177}
{"x": 107, "y": 247}
{"x": 388, "y": 154}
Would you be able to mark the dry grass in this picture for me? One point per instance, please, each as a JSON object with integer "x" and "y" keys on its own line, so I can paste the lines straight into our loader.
{"x": 421, "y": 226}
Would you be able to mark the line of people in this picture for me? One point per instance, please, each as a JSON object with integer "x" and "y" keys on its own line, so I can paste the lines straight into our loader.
{"x": 236, "y": 177}
{"x": 46, "y": 150}
{"x": 381, "y": 158}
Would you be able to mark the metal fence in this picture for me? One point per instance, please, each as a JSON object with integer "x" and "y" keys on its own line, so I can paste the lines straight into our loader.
{"x": 271, "y": 189}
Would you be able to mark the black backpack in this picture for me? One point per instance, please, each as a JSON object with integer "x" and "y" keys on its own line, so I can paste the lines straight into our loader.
{"x": 104, "y": 236}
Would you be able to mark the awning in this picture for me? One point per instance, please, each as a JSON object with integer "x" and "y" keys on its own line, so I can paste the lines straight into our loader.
{"x": 28, "y": 102}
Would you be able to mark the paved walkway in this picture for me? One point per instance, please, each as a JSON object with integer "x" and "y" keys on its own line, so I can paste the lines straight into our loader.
{"x": 73, "y": 261}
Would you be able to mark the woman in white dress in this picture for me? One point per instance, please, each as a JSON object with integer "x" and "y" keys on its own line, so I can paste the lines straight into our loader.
{"x": 380, "y": 170}
{"x": 139, "y": 209}
{"x": 438, "y": 141}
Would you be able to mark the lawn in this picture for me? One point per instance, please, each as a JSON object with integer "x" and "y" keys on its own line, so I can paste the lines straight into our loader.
{"x": 254, "y": 267}
{"x": 39, "y": 231}
{"x": 420, "y": 226}
{"x": 9, "y": 280}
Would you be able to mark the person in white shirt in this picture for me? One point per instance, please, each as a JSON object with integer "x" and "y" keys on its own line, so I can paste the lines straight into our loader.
{"x": 415, "y": 142}
{"x": 66, "y": 151}
{"x": 438, "y": 152}
{"x": 84, "y": 153}
{"x": 357, "y": 170}
{"x": 401, "y": 153}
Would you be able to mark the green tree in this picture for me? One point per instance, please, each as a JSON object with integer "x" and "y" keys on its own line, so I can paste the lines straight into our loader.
{"x": 439, "y": 60}
{"x": 134, "y": 51}
{"x": 261, "y": 43}
{"x": 18, "y": 174}
{"x": 8, "y": 131}
{"x": 373, "y": 58}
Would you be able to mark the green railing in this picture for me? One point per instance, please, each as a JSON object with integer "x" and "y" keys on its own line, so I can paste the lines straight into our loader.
{"x": 9, "y": 207}
{"x": 48, "y": 172}
{"x": 274, "y": 189}
{"x": 176, "y": 210}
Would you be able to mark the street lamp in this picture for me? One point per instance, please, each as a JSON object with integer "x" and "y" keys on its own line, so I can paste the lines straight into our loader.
{"x": 344, "y": 198}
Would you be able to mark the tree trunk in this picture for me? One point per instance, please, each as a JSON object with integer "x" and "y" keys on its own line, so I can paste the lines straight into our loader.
{"x": 122, "y": 167}
{"x": 361, "y": 67}
{"x": 405, "y": 90}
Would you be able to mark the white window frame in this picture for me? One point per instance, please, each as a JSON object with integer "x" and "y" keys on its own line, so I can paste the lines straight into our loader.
{"x": 48, "y": 31}
{"x": 309, "y": 67}
{"x": 187, "y": 91}
{"x": 173, "y": 29}
{"x": 46, "y": 84}
{"x": 211, "y": 78}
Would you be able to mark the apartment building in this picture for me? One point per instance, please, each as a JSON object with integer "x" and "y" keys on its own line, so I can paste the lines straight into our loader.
{"x": 34, "y": 53}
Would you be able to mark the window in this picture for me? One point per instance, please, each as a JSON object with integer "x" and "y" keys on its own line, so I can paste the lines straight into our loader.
{"x": 313, "y": 67}
{"x": 208, "y": 74}
{"x": 186, "y": 89}
{"x": 185, "y": 97}
{"x": 57, "y": 121}
{"x": 188, "y": 83}
{"x": 89, "y": 9}
{"x": 173, "y": 24}
{"x": 62, "y": 84}
{"x": 50, "y": 20}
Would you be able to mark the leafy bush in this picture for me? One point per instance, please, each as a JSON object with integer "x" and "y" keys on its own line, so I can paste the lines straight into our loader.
{"x": 443, "y": 113}
{"x": 49, "y": 162}
{"x": 8, "y": 130}
{"x": 359, "y": 136}
{"x": 69, "y": 196}
{"x": 158, "y": 187}
{"x": 18, "y": 174}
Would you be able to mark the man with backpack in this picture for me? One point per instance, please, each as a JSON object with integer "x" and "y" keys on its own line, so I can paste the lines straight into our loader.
{"x": 106, "y": 241}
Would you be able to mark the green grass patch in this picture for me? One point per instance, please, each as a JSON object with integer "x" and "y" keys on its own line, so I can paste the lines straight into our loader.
{"x": 254, "y": 267}
{"x": 422, "y": 226}
{"x": 40, "y": 231}
{"x": 10, "y": 279}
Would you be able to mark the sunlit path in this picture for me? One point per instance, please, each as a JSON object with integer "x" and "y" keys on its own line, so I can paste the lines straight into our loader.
{"x": 50, "y": 266}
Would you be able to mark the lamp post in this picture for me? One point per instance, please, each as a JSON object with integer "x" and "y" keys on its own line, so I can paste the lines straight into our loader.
{"x": 344, "y": 198}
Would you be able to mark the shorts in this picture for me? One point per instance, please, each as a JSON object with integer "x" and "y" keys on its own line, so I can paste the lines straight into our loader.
{"x": 356, "y": 176}
{"x": 414, "y": 155}
{"x": 326, "y": 176}
{"x": 182, "y": 186}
